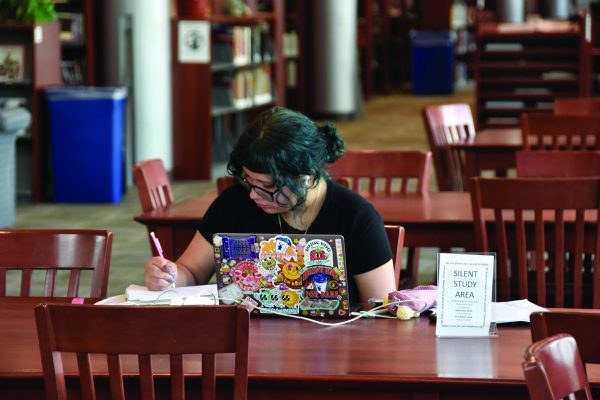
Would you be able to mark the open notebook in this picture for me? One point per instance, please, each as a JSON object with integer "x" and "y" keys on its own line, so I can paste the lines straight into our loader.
{"x": 283, "y": 273}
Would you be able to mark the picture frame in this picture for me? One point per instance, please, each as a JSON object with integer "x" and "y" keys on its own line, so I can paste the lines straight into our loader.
{"x": 12, "y": 63}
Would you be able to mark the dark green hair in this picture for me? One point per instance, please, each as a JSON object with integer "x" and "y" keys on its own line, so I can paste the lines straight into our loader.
{"x": 286, "y": 145}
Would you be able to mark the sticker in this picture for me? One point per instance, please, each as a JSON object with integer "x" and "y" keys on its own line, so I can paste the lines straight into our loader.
{"x": 246, "y": 275}
{"x": 318, "y": 252}
{"x": 230, "y": 294}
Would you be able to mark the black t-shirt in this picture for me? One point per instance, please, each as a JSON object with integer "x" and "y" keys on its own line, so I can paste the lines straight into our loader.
{"x": 344, "y": 212}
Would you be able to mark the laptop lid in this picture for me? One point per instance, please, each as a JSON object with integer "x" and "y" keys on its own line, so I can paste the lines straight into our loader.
{"x": 299, "y": 274}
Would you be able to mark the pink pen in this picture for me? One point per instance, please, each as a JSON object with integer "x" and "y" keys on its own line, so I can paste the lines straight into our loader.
{"x": 158, "y": 248}
{"x": 157, "y": 245}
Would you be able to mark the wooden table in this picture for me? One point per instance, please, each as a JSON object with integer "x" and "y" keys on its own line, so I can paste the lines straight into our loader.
{"x": 489, "y": 149}
{"x": 439, "y": 219}
{"x": 292, "y": 359}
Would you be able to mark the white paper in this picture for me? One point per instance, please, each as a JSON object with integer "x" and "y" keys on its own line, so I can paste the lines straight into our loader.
{"x": 465, "y": 287}
{"x": 178, "y": 295}
{"x": 193, "y": 41}
{"x": 514, "y": 311}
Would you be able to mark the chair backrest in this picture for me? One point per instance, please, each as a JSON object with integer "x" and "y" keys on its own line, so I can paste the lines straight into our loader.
{"x": 55, "y": 253}
{"x": 582, "y": 325}
{"x": 576, "y": 105}
{"x": 560, "y": 132}
{"x": 395, "y": 236}
{"x": 384, "y": 171}
{"x": 446, "y": 124}
{"x": 142, "y": 331}
{"x": 153, "y": 185}
{"x": 545, "y": 250}
{"x": 394, "y": 233}
{"x": 553, "y": 369}
{"x": 558, "y": 163}
{"x": 223, "y": 182}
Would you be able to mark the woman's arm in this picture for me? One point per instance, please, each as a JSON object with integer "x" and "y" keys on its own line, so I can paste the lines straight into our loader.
{"x": 195, "y": 266}
{"x": 377, "y": 283}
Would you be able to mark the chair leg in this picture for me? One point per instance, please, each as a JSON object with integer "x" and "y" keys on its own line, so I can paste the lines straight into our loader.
{"x": 412, "y": 266}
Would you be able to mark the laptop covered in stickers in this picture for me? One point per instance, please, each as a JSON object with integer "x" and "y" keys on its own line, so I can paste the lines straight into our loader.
{"x": 297, "y": 274}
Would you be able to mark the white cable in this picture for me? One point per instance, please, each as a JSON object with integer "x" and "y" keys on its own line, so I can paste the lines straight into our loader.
{"x": 361, "y": 314}
{"x": 372, "y": 313}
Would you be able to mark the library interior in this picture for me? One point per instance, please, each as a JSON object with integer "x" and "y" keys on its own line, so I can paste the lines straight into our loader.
{"x": 470, "y": 126}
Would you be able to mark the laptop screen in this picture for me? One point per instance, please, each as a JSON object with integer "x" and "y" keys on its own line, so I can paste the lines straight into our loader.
{"x": 283, "y": 273}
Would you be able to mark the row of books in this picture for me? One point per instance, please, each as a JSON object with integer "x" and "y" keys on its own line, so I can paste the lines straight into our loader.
{"x": 72, "y": 72}
{"x": 245, "y": 88}
{"x": 242, "y": 45}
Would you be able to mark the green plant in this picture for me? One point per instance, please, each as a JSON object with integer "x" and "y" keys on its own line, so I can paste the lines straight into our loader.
{"x": 27, "y": 11}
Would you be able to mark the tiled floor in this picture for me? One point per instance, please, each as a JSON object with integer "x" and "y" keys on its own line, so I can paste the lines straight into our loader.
{"x": 389, "y": 122}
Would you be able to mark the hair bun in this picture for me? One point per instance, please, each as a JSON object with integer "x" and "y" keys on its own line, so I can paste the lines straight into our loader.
{"x": 334, "y": 142}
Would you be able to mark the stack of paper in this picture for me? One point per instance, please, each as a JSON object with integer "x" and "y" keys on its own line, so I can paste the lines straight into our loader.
{"x": 514, "y": 311}
{"x": 202, "y": 294}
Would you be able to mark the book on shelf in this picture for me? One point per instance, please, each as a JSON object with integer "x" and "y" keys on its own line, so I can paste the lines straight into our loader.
{"x": 71, "y": 71}
{"x": 290, "y": 44}
{"x": 71, "y": 27}
{"x": 247, "y": 44}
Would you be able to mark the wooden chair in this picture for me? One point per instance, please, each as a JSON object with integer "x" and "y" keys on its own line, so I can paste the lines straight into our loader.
{"x": 446, "y": 124}
{"x": 142, "y": 331}
{"x": 57, "y": 253}
{"x": 153, "y": 185}
{"x": 553, "y": 370}
{"x": 576, "y": 105}
{"x": 558, "y": 163}
{"x": 380, "y": 169}
{"x": 539, "y": 255}
{"x": 560, "y": 132}
{"x": 582, "y": 325}
{"x": 154, "y": 191}
{"x": 394, "y": 233}
{"x": 387, "y": 168}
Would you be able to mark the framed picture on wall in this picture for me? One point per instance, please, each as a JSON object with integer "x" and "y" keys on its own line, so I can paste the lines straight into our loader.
{"x": 12, "y": 63}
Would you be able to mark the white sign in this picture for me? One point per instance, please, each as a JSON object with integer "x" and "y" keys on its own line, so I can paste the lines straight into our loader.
{"x": 465, "y": 289}
{"x": 193, "y": 41}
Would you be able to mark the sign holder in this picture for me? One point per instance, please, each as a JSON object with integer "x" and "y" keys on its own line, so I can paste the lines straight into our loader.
{"x": 466, "y": 290}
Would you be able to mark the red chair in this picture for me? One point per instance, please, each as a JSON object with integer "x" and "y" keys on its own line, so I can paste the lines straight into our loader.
{"x": 56, "y": 253}
{"x": 538, "y": 231}
{"x": 576, "y": 105}
{"x": 153, "y": 185}
{"x": 446, "y": 124}
{"x": 553, "y": 370}
{"x": 381, "y": 170}
{"x": 560, "y": 132}
{"x": 558, "y": 163}
{"x": 582, "y": 325}
{"x": 143, "y": 331}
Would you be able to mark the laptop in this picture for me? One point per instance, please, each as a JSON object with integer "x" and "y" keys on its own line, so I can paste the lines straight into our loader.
{"x": 297, "y": 274}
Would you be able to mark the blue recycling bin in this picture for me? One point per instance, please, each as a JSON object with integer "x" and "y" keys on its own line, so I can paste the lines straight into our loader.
{"x": 86, "y": 135}
{"x": 432, "y": 62}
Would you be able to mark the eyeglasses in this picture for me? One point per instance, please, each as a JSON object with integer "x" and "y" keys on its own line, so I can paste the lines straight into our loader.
{"x": 274, "y": 197}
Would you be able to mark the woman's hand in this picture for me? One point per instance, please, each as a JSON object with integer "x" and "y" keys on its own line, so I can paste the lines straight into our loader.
{"x": 160, "y": 273}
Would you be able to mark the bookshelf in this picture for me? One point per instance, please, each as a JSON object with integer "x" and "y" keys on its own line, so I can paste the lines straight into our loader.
{"x": 39, "y": 66}
{"x": 76, "y": 19}
{"x": 523, "y": 67}
{"x": 295, "y": 53}
{"x": 218, "y": 90}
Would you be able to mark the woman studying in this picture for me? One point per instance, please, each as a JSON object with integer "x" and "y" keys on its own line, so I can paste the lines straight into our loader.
{"x": 279, "y": 163}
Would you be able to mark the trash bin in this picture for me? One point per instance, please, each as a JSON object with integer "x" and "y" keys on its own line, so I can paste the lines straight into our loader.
{"x": 432, "y": 62}
{"x": 12, "y": 121}
{"x": 86, "y": 135}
